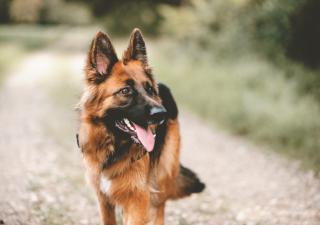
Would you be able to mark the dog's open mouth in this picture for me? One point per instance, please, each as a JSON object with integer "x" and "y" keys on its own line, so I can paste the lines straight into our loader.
{"x": 140, "y": 135}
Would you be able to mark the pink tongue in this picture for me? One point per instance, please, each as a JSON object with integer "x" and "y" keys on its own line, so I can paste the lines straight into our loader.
{"x": 145, "y": 137}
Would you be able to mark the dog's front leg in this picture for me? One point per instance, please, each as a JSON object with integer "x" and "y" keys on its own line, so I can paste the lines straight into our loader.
{"x": 107, "y": 210}
{"x": 157, "y": 214}
{"x": 136, "y": 209}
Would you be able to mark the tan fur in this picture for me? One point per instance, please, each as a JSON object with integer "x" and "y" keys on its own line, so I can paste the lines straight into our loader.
{"x": 139, "y": 189}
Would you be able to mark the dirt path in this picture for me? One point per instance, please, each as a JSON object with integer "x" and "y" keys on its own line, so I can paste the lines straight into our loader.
{"x": 42, "y": 175}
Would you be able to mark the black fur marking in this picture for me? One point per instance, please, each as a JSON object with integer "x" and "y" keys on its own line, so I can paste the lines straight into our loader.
{"x": 148, "y": 72}
{"x": 139, "y": 47}
{"x": 77, "y": 137}
{"x": 149, "y": 89}
{"x": 172, "y": 111}
{"x": 122, "y": 148}
{"x": 160, "y": 137}
{"x": 168, "y": 101}
{"x": 130, "y": 82}
{"x": 191, "y": 182}
{"x": 122, "y": 143}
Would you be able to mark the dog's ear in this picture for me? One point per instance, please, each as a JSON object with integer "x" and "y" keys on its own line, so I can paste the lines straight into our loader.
{"x": 101, "y": 58}
{"x": 136, "y": 49}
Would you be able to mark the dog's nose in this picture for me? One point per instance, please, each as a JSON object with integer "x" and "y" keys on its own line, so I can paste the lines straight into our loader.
{"x": 157, "y": 114}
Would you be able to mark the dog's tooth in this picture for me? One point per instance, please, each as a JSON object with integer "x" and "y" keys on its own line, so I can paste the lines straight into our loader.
{"x": 129, "y": 125}
{"x": 135, "y": 139}
{"x": 127, "y": 122}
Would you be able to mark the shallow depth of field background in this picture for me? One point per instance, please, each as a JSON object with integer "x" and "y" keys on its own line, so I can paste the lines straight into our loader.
{"x": 248, "y": 67}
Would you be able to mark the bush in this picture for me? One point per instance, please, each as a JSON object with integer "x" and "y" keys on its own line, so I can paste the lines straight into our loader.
{"x": 26, "y": 11}
{"x": 204, "y": 23}
{"x": 304, "y": 42}
{"x": 269, "y": 23}
{"x": 49, "y": 12}
{"x": 249, "y": 96}
{"x": 4, "y": 11}
{"x": 272, "y": 27}
{"x": 234, "y": 56}
{"x": 122, "y": 19}
{"x": 60, "y": 12}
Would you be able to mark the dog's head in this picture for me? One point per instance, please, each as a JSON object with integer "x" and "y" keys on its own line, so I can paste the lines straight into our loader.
{"x": 123, "y": 94}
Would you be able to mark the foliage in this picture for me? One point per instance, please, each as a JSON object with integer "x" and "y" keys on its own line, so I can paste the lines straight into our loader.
{"x": 249, "y": 96}
{"x": 272, "y": 27}
{"x": 124, "y": 18}
{"x": 103, "y": 7}
{"x": 49, "y": 12}
{"x": 119, "y": 17}
{"x": 26, "y": 11}
{"x": 269, "y": 23}
{"x": 305, "y": 34}
{"x": 60, "y": 12}
{"x": 204, "y": 23}
{"x": 235, "y": 58}
{"x": 4, "y": 11}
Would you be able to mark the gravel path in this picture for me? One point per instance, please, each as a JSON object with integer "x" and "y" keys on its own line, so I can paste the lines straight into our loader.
{"x": 43, "y": 178}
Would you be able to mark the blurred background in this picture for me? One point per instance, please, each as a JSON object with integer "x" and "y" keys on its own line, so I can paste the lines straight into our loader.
{"x": 249, "y": 69}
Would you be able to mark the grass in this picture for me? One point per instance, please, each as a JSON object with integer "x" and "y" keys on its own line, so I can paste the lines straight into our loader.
{"x": 248, "y": 96}
{"x": 9, "y": 54}
{"x": 21, "y": 40}
{"x": 30, "y": 37}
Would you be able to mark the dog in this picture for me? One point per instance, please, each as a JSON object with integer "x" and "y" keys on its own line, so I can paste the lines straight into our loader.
{"x": 129, "y": 135}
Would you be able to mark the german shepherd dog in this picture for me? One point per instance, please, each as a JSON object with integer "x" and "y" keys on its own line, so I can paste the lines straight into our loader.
{"x": 129, "y": 135}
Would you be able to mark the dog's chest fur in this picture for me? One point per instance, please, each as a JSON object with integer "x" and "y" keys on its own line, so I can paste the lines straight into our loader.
{"x": 105, "y": 184}
{"x": 114, "y": 171}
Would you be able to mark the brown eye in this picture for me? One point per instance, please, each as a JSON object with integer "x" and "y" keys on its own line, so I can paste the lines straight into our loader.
{"x": 126, "y": 91}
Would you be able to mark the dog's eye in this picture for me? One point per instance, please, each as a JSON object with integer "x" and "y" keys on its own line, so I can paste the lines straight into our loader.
{"x": 126, "y": 91}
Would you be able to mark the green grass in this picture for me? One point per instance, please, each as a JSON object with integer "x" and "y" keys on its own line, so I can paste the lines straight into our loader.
{"x": 20, "y": 40}
{"x": 248, "y": 96}
{"x": 9, "y": 55}
{"x": 30, "y": 37}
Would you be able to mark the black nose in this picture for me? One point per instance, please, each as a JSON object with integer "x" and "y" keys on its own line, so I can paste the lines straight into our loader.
{"x": 157, "y": 114}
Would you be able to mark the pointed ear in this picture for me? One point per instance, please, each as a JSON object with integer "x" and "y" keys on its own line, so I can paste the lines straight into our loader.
{"x": 136, "y": 49}
{"x": 101, "y": 58}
